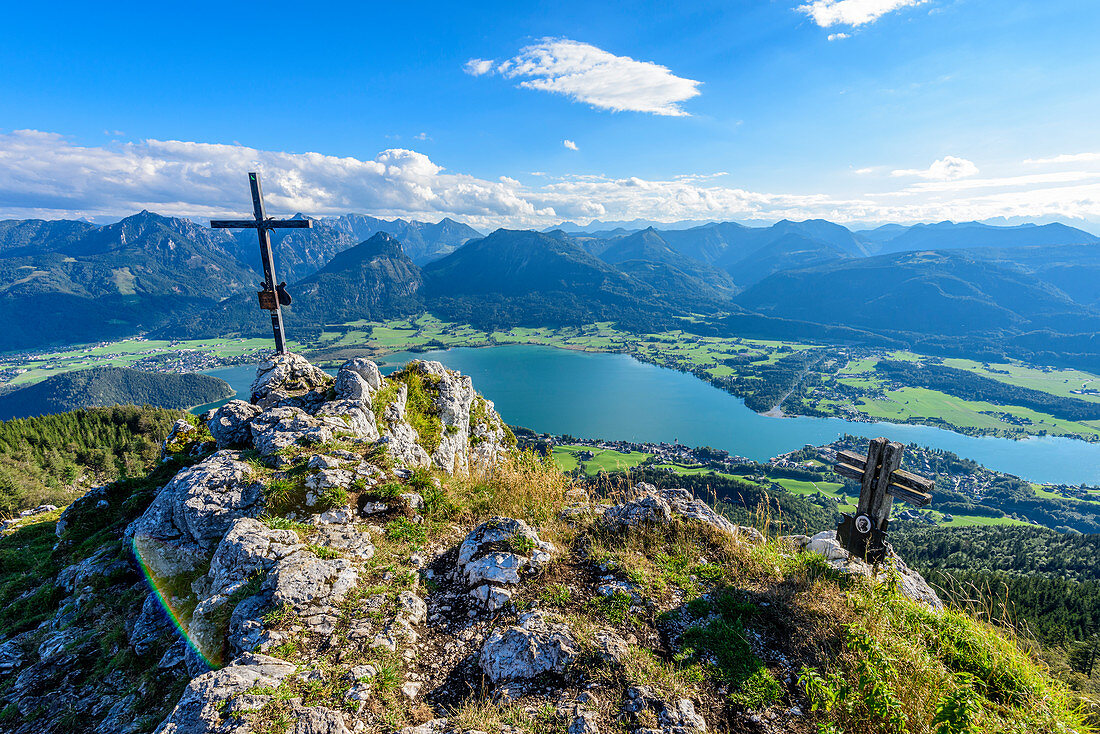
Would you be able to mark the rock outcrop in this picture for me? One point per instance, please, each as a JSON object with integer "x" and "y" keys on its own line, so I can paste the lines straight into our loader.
{"x": 335, "y": 571}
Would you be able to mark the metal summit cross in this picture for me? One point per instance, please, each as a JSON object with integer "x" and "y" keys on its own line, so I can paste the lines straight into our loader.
{"x": 864, "y": 534}
{"x": 272, "y": 296}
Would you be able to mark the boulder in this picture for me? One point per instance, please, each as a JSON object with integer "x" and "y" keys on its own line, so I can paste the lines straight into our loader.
{"x": 277, "y": 428}
{"x": 496, "y": 554}
{"x": 319, "y": 720}
{"x": 192, "y": 513}
{"x": 367, "y": 371}
{"x": 230, "y": 424}
{"x": 910, "y": 583}
{"x": 652, "y": 505}
{"x": 288, "y": 379}
{"x": 344, "y": 538}
{"x": 352, "y": 418}
{"x": 311, "y": 586}
{"x": 536, "y": 645}
{"x": 249, "y": 548}
{"x": 205, "y": 706}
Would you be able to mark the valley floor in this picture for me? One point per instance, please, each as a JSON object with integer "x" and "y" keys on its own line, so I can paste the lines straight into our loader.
{"x": 779, "y": 377}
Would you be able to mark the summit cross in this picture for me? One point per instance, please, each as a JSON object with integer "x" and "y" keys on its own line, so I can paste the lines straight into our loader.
{"x": 273, "y": 296}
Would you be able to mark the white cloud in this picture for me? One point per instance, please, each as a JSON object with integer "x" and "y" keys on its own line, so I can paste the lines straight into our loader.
{"x": 596, "y": 77}
{"x": 947, "y": 168}
{"x": 1066, "y": 158}
{"x": 838, "y": 36}
{"x": 45, "y": 175}
{"x": 863, "y": 171}
{"x": 569, "y": 144}
{"x": 477, "y": 67}
{"x": 827, "y": 13}
{"x": 422, "y": 136}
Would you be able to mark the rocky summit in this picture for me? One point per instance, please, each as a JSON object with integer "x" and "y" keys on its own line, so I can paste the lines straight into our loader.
{"x": 372, "y": 554}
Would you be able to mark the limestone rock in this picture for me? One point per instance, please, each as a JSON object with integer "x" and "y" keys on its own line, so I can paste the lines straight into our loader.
{"x": 193, "y": 512}
{"x": 353, "y": 418}
{"x": 345, "y": 538}
{"x": 496, "y": 554}
{"x": 311, "y": 586}
{"x": 649, "y": 508}
{"x": 680, "y": 718}
{"x": 278, "y": 428}
{"x": 104, "y": 563}
{"x": 246, "y": 625}
{"x": 319, "y": 720}
{"x": 652, "y": 505}
{"x": 358, "y": 379}
{"x": 910, "y": 583}
{"x": 152, "y": 624}
{"x": 367, "y": 370}
{"x": 400, "y": 437}
{"x": 536, "y": 645}
{"x": 611, "y": 647}
{"x": 229, "y": 426}
{"x": 250, "y": 547}
{"x": 202, "y": 708}
{"x": 284, "y": 377}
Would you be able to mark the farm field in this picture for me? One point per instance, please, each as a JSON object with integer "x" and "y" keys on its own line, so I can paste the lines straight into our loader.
{"x": 566, "y": 457}
{"x": 837, "y": 381}
{"x": 908, "y": 403}
{"x": 126, "y": 353}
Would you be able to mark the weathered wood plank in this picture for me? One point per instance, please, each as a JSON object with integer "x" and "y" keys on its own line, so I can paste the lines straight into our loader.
{"x": 913, "y": 481}
{"x": 867, "y": 489}
{"x": 882, "y": 500}
{"x": 847, "y": 470}
{"x": 851, "y": 458}
{"x": 920, "y": 499}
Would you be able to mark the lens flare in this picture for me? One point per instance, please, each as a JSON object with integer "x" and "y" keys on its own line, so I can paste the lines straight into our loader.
{"x": 179, "y": 617}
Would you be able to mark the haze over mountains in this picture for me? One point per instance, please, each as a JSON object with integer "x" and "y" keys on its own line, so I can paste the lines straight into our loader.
{"x": 1029, "y": 290}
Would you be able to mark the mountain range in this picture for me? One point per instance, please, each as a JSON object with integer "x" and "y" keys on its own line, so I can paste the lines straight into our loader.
{"x": 1030, "y": 288}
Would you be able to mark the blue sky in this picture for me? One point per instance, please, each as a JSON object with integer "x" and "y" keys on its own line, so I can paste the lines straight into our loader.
{"x": 852, "y": 110}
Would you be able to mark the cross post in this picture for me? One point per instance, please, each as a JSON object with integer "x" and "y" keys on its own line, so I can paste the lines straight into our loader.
{"x": 273, "y": 295}
{"x": 881, "y": 482}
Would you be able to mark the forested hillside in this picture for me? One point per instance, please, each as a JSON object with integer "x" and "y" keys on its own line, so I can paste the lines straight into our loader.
{"x": 104, "y": 386}
{"x": 53, "y": 459}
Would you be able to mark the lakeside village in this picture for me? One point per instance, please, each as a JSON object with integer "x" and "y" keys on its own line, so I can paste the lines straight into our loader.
{"x": 809, "y": 464}
{"x": 171, "y": 357}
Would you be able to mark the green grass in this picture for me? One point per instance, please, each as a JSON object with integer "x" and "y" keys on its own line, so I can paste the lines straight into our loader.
{"x": 566, "y": 457}
{"x": 918, "y": 402}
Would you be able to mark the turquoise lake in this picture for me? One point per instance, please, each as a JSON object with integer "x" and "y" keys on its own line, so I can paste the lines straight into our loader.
{"x": 613, "y": 396}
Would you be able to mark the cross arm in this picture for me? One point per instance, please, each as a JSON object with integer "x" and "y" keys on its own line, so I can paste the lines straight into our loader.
{"x": 269, "y": 224}
{"x": 904, "y": 485}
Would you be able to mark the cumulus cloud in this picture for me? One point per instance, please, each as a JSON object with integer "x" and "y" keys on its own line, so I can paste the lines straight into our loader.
{"x": 588, "y": 74}
{"x": 838, "y": 36}
{"x": 477, "y": 67}
{"x": 45, "y": 172}
{"x": 569, "y": 144}
{"x": 827, "y": 13}
{"x": 45, "y": 175}
{"x": 948, "y": 168}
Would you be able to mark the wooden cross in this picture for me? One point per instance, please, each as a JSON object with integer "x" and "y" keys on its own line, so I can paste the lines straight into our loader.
{"x": 272, "y": 296}
{"x": 881, "y": 481}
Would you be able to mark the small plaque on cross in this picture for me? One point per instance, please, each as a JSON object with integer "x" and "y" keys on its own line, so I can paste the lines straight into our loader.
{"x": 882, "y": 480}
